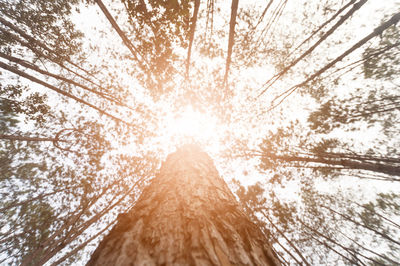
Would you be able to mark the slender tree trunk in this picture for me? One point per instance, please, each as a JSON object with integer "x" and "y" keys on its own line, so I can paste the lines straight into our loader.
{"x": 372, "y": 164}
{"x": 186, "y": 216}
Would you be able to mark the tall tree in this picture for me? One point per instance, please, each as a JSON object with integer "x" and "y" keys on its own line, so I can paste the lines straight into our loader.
{"x": 186, "y": 216}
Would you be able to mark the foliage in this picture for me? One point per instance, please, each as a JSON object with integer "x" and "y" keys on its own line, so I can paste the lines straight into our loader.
{"x": 158, "y": 27}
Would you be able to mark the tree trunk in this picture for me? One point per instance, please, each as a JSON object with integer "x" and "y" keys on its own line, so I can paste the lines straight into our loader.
{"x": 186, "y": 216}
{"x": 372, "y": 164}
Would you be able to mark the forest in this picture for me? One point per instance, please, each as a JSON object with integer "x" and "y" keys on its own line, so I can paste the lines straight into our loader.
{"x": 296, "y": 102}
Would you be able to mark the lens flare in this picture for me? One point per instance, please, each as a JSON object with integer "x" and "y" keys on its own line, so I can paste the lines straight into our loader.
{"x": 192, "y": 125}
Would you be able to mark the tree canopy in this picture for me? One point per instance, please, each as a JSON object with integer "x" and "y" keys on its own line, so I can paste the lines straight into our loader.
{"x": 297, "y": 102}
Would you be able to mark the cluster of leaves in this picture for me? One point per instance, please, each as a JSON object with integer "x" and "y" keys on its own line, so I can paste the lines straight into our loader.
{"x": 47, "y": 21}
{"x": 159, "y": 27}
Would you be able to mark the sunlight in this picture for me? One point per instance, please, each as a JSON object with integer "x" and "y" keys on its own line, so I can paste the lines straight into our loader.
{"x": 191, "y": 125}
{"x": 185, "y": 126}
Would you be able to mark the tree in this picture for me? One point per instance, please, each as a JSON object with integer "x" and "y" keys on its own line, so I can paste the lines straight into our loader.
{"x": 187, "y": 215}
{"x": 323, "y": 155}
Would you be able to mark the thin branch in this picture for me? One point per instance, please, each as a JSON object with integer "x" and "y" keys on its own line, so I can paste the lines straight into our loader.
{"x": 288, "y": 240}
{"x": 332, "y": 241}
{"x": 376, "y": 32}
{"x": 51, "y": 56}
{"x": 38, "y": 43}
{"x": 84, "y": 226}
{"x": 58, "y": 77}
{"x": 380, "y": 215}
{"x": 263, "y": 14}
{"x": 273, "y": 21}
{"x": 363, "y": 225}
{"x": 52, "y": 242}
{"x": 84, "y": 244}
{"x": 273, "y": 18}
{"x": 26, "y": 138}
{"x": 365, "y": 58}
{"x": 331, "y": 248}
{"x": 323, "y": 25}
{"x": 272, "y": 80}
{"x": 285, "y": 249}
{"x": 371, "y": 251}
{"x": 64, "y": 93}
{"x": 122, "y": 35}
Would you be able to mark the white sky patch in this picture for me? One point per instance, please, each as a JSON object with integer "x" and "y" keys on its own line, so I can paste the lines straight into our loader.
{"x": 190, "y": 123}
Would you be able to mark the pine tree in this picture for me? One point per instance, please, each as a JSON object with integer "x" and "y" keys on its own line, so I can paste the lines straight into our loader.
{"x": 186, "y": 216}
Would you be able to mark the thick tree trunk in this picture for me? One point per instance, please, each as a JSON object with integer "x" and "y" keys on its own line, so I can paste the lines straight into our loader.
{"x": 186, "y": 216}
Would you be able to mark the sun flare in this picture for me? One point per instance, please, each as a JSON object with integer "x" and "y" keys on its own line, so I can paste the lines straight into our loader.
{"x": 189, "y": 125}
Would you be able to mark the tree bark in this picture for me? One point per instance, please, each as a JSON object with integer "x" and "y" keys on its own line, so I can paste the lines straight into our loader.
{"x": 186, "y": 216}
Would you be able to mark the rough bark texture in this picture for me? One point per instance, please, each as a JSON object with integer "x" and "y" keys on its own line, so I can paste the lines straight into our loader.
{"x": 186, "y": 216}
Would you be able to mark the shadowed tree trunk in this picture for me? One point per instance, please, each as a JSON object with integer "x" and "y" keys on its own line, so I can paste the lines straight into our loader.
{"x": 186, "y": 216}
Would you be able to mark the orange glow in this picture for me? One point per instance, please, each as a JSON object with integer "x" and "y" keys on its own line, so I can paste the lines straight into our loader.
{"x": 191, "y": 125}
